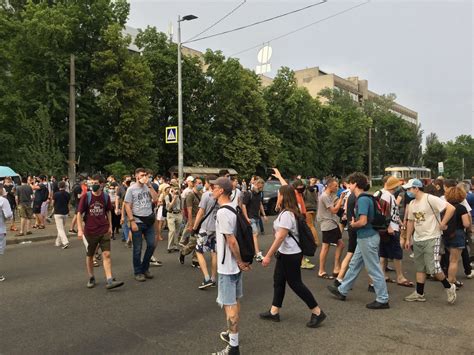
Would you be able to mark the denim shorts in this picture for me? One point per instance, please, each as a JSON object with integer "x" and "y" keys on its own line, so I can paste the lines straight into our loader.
{"x": 255, "y": 226}
{"x": 229, "y": 289}
{"x": 206, "y": 242}
{"x": 457, "y": 242}
{"x": 3, "y": 243}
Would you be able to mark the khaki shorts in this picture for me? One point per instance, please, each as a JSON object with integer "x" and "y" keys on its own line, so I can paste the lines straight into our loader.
{"x": 25, "y": 211}
{"x": 427, "y": 256}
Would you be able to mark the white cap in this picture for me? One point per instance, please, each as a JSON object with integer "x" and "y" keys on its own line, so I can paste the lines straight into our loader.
{"x": 190, "y": 178}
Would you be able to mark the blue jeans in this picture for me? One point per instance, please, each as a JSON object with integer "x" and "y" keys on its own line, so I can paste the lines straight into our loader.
{"x": 125, "y": 229}
{"x": 366, "y": 253}
{"x": 147, "y": 232}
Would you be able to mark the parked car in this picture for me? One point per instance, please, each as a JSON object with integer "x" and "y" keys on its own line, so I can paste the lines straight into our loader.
{"x": 270, "y": 194}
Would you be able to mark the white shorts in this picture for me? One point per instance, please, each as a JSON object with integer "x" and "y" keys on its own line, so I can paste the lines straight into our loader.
{"x": 159, "y": 214}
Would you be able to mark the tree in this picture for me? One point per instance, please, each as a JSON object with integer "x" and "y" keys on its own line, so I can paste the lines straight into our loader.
{"x": 346, "y": 131}
{"x": 459, "y": 163}
{"x": 239, "y": 121}
{"x": 435, "y": 152}
{"x": 294, "y": 121}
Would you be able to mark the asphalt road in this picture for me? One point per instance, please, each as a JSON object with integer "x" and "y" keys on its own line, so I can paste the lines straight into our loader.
{"x": 45, "y": 308}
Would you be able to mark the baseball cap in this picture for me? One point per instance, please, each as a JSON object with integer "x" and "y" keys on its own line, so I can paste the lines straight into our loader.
{"x": 392, "y": 183}
{"x": 224, "y": 183}
{"x": 413, "y": 183}
{"x": 190, "y": 178}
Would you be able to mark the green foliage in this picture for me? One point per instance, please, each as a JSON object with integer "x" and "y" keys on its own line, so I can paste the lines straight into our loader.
{"x": 435, "y": 152}
{"x": 125, "y": 100}
{"x": 117, "y": 169}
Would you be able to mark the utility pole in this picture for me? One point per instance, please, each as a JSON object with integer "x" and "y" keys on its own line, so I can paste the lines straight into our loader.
{"x": 72, "y": 123}
{"x": 180, "y": 101}
{"x": 462, "y": 169}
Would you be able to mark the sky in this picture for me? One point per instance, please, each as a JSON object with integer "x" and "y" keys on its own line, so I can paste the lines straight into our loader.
{"x": 420, "y": 50}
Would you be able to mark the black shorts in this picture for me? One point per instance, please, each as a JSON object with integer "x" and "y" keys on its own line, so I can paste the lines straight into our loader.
{"x": 352, "y": 240}
{"x": 391, "y": 249}
{"x": 332, "y": 236}
{"x": 92, "y": 242}
{"x": 37, "y": 208}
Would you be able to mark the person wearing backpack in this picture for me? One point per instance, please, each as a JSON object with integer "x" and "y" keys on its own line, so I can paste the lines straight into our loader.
{"x": 205, "y": 230}
{"x": 97, "y": 230}
{"x": 425, "y": 226}
{"x": 367, "y": 249}
{"x": 288, "y": 252}
{"x": 230, "y": 263}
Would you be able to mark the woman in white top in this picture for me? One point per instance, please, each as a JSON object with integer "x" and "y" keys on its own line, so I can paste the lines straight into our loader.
{"x": 288, "y": 264}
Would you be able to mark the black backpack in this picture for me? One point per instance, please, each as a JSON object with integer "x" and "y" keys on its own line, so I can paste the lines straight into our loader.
{"x": 306, "y": 239}
{"x": 382, "y": 217}
{"x": 244, "y": 236}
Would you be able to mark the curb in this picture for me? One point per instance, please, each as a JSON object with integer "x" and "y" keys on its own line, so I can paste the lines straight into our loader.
{"x": 26, "y": 240}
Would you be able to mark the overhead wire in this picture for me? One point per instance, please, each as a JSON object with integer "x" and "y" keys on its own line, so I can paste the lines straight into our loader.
{"x": 301, "y": 28}
{"x": 218, "y": 21}
{"x": 257, "y": 23}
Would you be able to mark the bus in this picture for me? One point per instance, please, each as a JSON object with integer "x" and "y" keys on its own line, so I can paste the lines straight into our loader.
{"x": 406, "y": 173}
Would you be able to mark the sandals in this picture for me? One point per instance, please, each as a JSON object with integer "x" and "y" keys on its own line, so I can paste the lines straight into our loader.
{"x": 325, "y": 276}
{"x": 406, "y": 283}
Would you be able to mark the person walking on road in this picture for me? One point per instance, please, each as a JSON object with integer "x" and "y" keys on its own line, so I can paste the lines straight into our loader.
{"x": 97, "y": 230}
{"x": 61, "y": 210}
{"x": 367, "y": 250}
{"x": 139, "y": 208}
{"x": 230, "y": 268}
{"x": 288, "y": 256}
{"x": 5, "y": 213}
{"x": 205, "y": 229}
{"x": 327, "y": 216}
{"x": 23, "y": 201}
{"x": 425, "y": 226}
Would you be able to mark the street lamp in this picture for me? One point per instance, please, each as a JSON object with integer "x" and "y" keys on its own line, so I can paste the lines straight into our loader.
{"x": 180, "y": 100}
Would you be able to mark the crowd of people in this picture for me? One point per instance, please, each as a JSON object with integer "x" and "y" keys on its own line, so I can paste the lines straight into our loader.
{"x": 210, "y": 215}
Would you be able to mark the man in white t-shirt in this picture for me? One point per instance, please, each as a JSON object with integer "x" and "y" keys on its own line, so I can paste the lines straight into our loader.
{"x": 229, "y": 264}
{"x": 426, "y": 226}
{"x": 235, "y": 196}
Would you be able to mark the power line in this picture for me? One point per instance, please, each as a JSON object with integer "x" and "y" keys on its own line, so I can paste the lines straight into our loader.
{"x": 257, "y": 23}
{"x": 302, "y": 28}
{"x": 219, "y": 21}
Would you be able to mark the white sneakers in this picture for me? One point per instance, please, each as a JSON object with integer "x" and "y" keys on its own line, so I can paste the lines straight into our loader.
{"x": 415, "y": 297}
{"x": 451, "y": 292}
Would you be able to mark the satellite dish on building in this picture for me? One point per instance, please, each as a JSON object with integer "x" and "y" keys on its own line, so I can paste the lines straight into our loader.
{"x": 263, "y": 57}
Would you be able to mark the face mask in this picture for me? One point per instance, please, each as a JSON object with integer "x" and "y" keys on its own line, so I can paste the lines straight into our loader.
{"x": 301, "y": 189}
{"x": 410, "y": 194}
{"x": 199, "y": 187}
{"x": 95, "y": 187}
{"x": 143, "y": 180}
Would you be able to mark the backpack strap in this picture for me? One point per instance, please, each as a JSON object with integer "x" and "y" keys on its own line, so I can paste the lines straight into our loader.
{"x": 227, "y": 207}
{"x": 207, "y": 215}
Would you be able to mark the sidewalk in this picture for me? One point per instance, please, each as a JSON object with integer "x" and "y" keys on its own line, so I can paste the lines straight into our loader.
{"x": 37, "y": 235}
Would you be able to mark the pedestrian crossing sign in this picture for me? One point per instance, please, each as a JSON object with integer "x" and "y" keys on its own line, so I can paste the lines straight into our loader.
{"x": 171, "y": 134}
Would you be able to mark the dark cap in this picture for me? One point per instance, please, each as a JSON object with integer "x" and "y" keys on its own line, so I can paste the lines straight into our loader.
{"x": 224, "y": 183}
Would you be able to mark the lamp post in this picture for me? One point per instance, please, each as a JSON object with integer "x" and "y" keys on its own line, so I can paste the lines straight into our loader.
{"x": 180, "y": 100}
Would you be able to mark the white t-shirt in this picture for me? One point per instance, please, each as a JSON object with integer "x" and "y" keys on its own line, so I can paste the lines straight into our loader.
{"x": 226, "y": 223}
{"x": 235, "y": 197}
{"x": 394, "y": 211}
{"x": 464, "y": 203}
{"x": 287, "y": 220}
{"x": 426, "y": 222}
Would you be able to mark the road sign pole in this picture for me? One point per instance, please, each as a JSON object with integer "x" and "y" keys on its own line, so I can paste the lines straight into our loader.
{"x": 180, "y": 109}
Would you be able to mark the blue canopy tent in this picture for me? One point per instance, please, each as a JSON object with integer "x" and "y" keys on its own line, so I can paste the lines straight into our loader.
{"x": 6, "y": 171}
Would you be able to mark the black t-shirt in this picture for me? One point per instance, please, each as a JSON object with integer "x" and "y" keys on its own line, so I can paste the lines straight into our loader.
{"x": 42, "y": 194}
{"x": 10, "y": 194}
{"x": 54, "y": 186}
{"x": 351, "y": 203}
{"x": 76, "y": 193}
{"x": 456, "y": 220}
{"x": 252, "y": 201}
{"x": 61, "y": 202}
